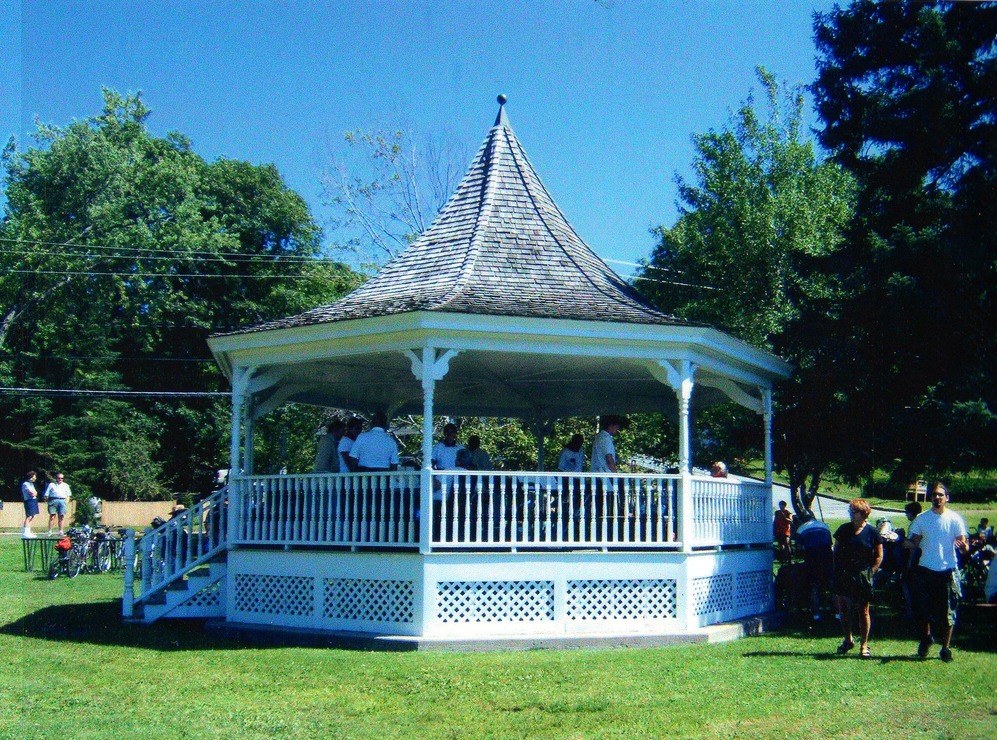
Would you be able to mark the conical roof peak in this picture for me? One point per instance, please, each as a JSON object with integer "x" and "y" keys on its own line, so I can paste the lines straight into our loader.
{"x": 500, "y": 246}
{"x": 501, "y": 119}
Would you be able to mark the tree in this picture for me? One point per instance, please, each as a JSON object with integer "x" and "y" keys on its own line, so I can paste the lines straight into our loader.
{"x": 386, "y": 186}
{"x": 761, "y": 213}
{"x": 905, "y": 93}
{"x": 120, "y": 253}
{"x": 760, "y": 209}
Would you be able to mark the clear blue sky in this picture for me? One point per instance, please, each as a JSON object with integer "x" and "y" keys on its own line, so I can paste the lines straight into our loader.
{"x": 603, "y": 95}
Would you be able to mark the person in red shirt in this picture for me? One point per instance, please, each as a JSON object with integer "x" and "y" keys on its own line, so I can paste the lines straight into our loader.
{"x": 781, "y": 528}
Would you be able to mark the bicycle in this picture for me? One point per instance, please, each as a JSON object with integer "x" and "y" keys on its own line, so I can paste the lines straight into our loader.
{"x": 71, "y": 556}
{"x": 102, "y": 552}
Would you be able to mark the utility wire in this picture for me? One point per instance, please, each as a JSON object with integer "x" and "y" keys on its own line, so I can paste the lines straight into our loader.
{"x": 162, "y": 250}
{"x": 250, "y": 258}
{"x": 111, "y": 394}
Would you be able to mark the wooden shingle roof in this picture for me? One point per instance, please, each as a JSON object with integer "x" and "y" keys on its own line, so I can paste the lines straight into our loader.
{"x": 499, "y": 247}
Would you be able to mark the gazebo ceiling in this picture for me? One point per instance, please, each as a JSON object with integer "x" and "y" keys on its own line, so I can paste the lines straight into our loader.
{"x": 488, "y": 383}
{"x": 526, "y": 368}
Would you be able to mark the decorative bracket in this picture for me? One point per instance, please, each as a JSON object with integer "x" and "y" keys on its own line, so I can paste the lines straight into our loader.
{"x": 736, "y": 393}
{"x": 436, "y": 371}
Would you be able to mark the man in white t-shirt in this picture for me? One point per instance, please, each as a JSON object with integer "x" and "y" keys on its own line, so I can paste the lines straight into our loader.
{"x": 572, "y": 459}
{"x": 938, "y": 532}
{"x": 375, "y": 451}
{"x": 603, "y": 449}
{"x": 444, "y": 457}
{"x": 606, "y": 503}
{"x": 57, "y": 494}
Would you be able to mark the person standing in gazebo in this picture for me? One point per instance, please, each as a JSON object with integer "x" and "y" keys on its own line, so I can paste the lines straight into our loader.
{"x": 375, "y": 451}
{"x": 327, "y": 458}
{"x": 604, "y": 461}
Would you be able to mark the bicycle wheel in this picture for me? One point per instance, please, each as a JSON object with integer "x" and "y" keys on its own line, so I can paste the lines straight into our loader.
{"x": 102, "y": 557}
{"x": 54, "y": 570}
{"x": 76, "y": 562}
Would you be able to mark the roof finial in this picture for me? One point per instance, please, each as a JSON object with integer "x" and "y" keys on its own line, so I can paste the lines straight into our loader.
{"x": 501, "y": 119}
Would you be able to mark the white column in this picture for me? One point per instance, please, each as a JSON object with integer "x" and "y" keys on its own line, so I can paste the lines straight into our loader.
{"x": 240, "y": 383}
{"x": 686, "y": 512}
{"x": 426, "y": 482}
{"x": 240, "y": 376}
{"x": 767, "y": 420}
{"x": 684, "y": 393}
{"x": 680, "y": 380}
{"x": 248, "y": 445}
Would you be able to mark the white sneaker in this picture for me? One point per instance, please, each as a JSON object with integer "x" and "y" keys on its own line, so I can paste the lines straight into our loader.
{"x": 28, "y": 534}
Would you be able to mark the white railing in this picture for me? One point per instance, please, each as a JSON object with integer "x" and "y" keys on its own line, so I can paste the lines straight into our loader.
{"x": 166, "y": 553}
{"x": 355, "y": 509}
{"x": 498, "y": 510}
{"x": 545, "y": 510}
{"x": 730, "y": 512}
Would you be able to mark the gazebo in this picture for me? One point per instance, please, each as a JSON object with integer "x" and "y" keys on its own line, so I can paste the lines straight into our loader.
{"x": 498, "y": 310}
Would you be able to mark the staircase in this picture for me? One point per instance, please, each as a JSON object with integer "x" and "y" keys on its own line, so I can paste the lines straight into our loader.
{"x": 180, "y": 568}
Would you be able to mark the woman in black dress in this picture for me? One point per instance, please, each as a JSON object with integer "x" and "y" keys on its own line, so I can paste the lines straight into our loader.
{"x": 858, "y": 552}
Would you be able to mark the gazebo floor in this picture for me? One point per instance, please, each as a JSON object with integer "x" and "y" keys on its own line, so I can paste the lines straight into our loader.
{"x": 284, "y": 636}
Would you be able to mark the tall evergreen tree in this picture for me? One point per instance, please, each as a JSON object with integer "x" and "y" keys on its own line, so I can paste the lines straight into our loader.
{"x": 906, "y": 94}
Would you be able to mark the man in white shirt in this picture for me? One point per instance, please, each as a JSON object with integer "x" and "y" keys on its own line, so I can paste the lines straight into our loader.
{"x": 606, "y": 504}
{"x": 353, "y": 428}
{"x": 444, "y": 454}
{"x": 938, "y": 532}
{"x": 572, "y": 459}
{"x": 57, "y": 494}
{"x": 603, "y": 449}
{"x": 375, "y": 451}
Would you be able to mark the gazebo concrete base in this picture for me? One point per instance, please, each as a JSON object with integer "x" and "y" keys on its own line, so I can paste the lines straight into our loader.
{"x": 271, "y": 635}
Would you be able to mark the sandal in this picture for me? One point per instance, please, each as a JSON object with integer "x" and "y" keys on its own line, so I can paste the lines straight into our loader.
{"x": 845, "y": 647}
{"x": 865, "y": 652}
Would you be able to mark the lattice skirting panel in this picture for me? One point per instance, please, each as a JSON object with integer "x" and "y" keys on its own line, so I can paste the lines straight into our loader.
{"x": 483, "y": 595}
{"x": 489, "y": 601}
{"x": 287, "y": 596}
{"x": 731, "y": 595}
{"x": 368, "y": 600}
{"x": 622, "y": 599}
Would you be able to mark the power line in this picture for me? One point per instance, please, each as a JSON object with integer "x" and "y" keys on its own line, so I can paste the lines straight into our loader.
{"x": 250, "y": 257}
{"x": 164, "y": 250}
{"x": 159, "y": 274}
{"x": 113, "y": 358}
{"x": 111, "y": 394}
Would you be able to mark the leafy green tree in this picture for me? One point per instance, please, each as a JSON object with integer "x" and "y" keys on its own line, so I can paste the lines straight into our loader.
{"x": 906, "y": 95}
{"x": 760, "y": 209}
{"x": 120, "y": 252}
{"x": 762, "y": 212}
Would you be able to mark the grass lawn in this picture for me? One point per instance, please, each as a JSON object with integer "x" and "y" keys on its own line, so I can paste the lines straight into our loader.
{"x": 70, "y": 668}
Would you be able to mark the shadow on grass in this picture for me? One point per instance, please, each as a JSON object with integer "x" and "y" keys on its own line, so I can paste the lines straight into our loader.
{"x": 101, "y": 624}
{"x": 974, "y": 632}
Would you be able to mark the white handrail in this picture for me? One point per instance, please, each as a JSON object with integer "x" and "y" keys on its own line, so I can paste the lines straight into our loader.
{"x": 496, "y": 510}
{"x": 169, "y": 551}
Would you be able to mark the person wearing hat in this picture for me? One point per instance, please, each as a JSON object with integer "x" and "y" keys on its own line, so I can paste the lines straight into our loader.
{"x": 938, "y": 532}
